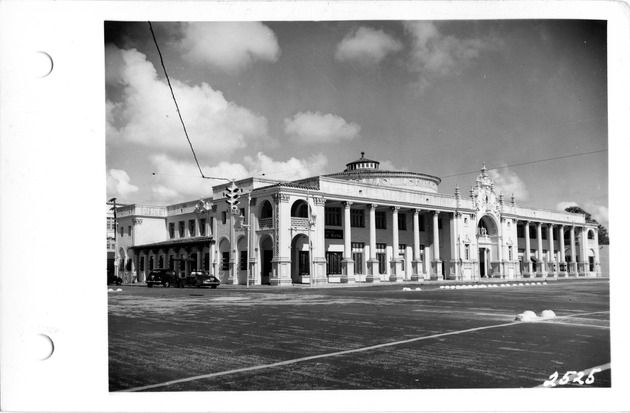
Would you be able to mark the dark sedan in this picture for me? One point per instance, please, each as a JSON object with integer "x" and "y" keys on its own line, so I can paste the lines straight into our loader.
{"x": 199, "y": 279}
{"x": 161, "y": 276}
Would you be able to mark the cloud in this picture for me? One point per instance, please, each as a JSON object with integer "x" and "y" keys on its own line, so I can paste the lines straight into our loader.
{"x": 146, "y": 113}
{"x": 118, "y": 183}
{"x": 434, "y": 54}
{"x": 309, "y": 127}
{"x": 229, "y": 46}
{"x": 366, "y": 46}
{"x": 388, "y": 165}
{"x": 508, "y": 182}
{"x": 177, "y": 180}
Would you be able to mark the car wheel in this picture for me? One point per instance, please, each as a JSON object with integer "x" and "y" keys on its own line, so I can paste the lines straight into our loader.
{"x": 166, "y": 284}
{"x": 119, "y": 282}
{"x": 149, "y": 285}
{"x": 213, "y": 286}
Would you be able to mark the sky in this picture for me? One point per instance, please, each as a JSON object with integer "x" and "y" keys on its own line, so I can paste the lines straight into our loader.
{"x": 287, "y": 100}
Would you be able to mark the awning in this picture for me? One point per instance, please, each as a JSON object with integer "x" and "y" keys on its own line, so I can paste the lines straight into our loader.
{"x": 177, "y": 243}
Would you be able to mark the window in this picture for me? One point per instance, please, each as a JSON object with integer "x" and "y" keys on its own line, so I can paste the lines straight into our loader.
{"x": 333, "y": 262}
{"x": 544, "y": 232}
{"x": 380, "y": 220}
{"x": 357, "y": 218}
{"x": 122, "y": 232}
{"x": 191, "y": 227}
{"x": 171, "y": 230}
{"x": 161, "y": 261}
{"x": 242, "y": 212}
{"x": 181, "y": 229}
{"x": 510, "y": 253}
{"x": 333, "y": 216}
{"x": 591, "y": 236}
{"x": 243, "y": 263}
{"x": 171, "y": 263}
{"x": 532, "y": 232}
{"x": 110, "y": 223}
{"x": 520, "y": 231}
{"x": 304, "y": 263}
{"x": 357, "y": 256}
{"x": 421, "y": 222}
{"x": 422, "y": 253}
{"x": 129, "y": 230}
{"x": 141, "y": 263}
{"x": 224, "y": 217}
{"x": 382, "y": 258}
{"x": 467, "y": 252}
{"x": 225, "y": 261}
{"x": 202, "y": 227}
{"x": 402, "y": 222}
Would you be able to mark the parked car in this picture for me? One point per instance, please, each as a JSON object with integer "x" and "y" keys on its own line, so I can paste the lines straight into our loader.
{"x": 199, "y": 279}
{"x": 112, "y": 279}
{"x": 162, "y": 276}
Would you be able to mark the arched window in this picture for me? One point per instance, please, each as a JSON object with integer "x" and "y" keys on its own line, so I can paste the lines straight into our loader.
{"x": 591, "y": 234}
{"x": 266, "y": 210}
{"x": 299, "y": 209}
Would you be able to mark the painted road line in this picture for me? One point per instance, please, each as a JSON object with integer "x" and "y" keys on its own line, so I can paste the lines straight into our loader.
{"x": 321, "y": 356}
{"x": 576, "y": 376}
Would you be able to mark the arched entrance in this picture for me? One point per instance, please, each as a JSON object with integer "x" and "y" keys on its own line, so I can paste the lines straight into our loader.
{"x": 224, "y": 260}
{"x": 266, "y": 255}
{"x": 488, "y": 244}
{"x": 300, "y": 259}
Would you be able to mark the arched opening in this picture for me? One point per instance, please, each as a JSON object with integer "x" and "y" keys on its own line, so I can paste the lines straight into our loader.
{"x": 487, "y": 226}
{"x": 266, "y": 256}
{"x": 299, "y": 209}
{"x": 488, "y": 247}
{"x": 591, "y": 234}
{"x": 266, "y": 210}
{"x": 241, "y": 260}
{"x": 300, "y": 258}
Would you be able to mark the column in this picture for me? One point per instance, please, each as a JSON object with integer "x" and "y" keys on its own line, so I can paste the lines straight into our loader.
{"x": 372, "y": 274}
{"x": 526, "y": 257}
{"x": 347, "y": 263}
{"x": 281, "y": 262}
{"x": 553, "y": 269}
{"x": 598, "y": 270}
{"x": 319, "y": 242}
{"x": 540, "y": 270}
{"x": 437, "y": 264}
{"x": 396, "y": 262}
{"x": 573, "y": 269}
{"x": 582, "y": 249}
{"x": 562, "y": 272}
{"x": 454, "y": 269}
{"x": 213, "y": 246}
{"x": 417, "y": 262}
{"x": 502, "y": 271}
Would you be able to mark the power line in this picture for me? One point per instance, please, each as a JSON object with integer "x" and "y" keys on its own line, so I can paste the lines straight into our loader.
{"x": 175, "y": 100}
{"x": 527, "y": 163}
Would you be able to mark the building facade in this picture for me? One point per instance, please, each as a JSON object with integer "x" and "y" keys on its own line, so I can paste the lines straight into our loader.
{"x": 360, "y": 225}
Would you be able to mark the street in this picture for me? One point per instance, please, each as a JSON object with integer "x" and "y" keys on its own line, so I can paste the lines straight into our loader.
{"x": 387, "y": 336}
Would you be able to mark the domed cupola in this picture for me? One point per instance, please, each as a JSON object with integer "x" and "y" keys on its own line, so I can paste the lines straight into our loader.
{"x": 361, "y": 164}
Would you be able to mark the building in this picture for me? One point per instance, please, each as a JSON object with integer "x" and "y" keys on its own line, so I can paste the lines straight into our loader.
{"x": 360, "y": 225}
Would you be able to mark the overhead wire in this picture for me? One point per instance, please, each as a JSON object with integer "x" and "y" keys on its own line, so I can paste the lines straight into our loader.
{"x": 527, "y": 163}
{"x": 174, "y": 99}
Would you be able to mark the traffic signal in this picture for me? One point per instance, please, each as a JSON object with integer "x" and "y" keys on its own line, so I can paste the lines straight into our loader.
{"x": 231, "y": 194}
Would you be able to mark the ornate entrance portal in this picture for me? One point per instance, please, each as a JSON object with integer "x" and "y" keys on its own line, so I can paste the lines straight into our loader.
{"x": 488, "y": 242}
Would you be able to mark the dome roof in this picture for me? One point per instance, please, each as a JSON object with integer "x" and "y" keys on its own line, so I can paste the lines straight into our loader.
{"x": 362, "y": 163}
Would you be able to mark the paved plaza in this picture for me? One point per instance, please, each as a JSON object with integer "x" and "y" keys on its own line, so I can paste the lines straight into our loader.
{"x": 388, "y": 336}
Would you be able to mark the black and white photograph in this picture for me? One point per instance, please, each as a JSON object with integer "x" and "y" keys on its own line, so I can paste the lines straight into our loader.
{"x": 323, "y": 209}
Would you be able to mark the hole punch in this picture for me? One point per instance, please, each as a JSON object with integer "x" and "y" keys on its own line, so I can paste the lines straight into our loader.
{"x": 40, "y": 64}
{"x": 42, "y": 347}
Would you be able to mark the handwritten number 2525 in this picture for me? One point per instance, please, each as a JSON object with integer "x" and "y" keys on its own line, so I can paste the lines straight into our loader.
{"x": 567, "y": 378}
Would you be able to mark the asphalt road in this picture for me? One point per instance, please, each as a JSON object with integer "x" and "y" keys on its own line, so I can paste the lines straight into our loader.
{"x": 364, "y": 337}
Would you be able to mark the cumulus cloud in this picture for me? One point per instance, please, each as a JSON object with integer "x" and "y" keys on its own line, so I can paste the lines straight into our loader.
{"x": 434, "y": 54}
{"x": 118, "y": 183}
{"x": 366, "y": 46}
{"x": 309, "y": 127}
{"x": 510, "y": 183}
{"x": 229, "y": 46}
{"x": 178, "y": 180}
{"x": 146, "y": 113}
